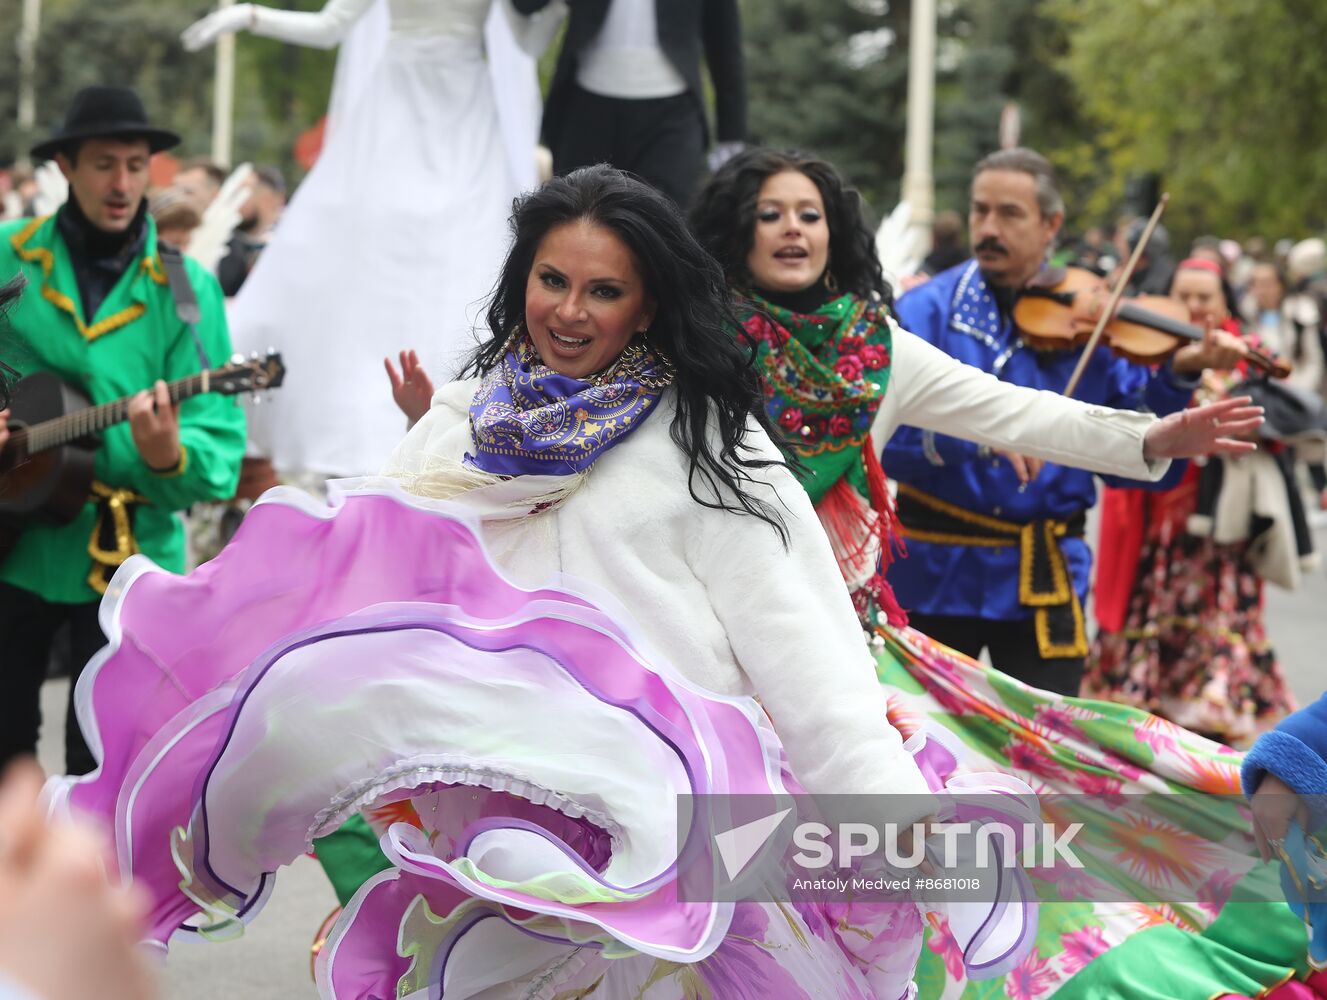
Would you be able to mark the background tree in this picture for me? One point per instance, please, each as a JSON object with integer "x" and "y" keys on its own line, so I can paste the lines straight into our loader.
{"x": 1226, "y": 103}
{"x": 831, "y": 76}
{"x": 280, "y": 89}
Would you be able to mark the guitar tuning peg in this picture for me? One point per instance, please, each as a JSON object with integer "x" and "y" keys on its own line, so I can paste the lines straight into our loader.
{"x": 236, "y": 358}
{"x": 257, "y": 399}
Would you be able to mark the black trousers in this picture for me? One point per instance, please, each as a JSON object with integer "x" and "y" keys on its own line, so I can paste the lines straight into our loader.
{"x": 662, "y": 140}
{"x": 1318, "y": 476}
{"x": 27, "y": 627}
{"x": 1012, "y": 645}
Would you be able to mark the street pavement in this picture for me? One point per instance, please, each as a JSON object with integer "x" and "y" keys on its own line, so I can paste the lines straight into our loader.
{"x": 271, "y": 960}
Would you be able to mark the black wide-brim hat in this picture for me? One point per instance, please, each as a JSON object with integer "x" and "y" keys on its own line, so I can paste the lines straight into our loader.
{"x": 105, "y": 113}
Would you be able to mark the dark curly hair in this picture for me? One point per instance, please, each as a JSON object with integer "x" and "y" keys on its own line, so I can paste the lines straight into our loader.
{"x": 9, "y": 294}
{"x": 723, "y": 217}
{"x": 694, "y": 327}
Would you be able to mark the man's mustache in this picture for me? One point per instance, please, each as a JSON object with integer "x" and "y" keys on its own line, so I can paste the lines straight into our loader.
{"x": 990, "y": 244}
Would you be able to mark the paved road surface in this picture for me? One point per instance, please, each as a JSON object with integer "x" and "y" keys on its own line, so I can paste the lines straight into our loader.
{"x": 271, "y": 961}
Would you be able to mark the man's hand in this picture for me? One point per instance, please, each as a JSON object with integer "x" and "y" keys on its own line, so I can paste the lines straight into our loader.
{"x": 1274, "y": 805}
{"x": 1219, "y": 350}
{"x": 910, "y": 281}
{"x": 1025, "y": 467}
{"x": 1214, "y": 429}
{"x": 65, "y": 932}
{"x": 411, "y": 387}
{"x": 154, "y": 423}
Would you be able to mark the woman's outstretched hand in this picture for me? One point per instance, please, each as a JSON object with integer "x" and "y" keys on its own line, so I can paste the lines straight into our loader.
{"x": 411, "y": 387}
{"x": 1220, "y": 428}
{"x": 207, "y": 30}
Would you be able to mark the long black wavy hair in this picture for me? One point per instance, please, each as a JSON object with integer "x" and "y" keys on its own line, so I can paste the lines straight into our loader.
{"x": 723, "y": 217}
{"x": 694, "y": 326}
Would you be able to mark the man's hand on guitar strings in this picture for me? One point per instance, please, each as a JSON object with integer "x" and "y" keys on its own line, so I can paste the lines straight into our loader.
{"x": 154, "y": 422}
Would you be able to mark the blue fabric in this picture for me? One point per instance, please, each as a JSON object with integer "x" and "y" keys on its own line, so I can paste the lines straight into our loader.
{"x": 1301, "y": 881}
{"x": 957, "y": 313}
{"x": 1295, "y": 751}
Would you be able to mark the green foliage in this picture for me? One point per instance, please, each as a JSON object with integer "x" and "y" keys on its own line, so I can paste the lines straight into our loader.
{"x": 830, "y": 76}
{"x": 132, "y": 42}
{"x": 280, "y": 89}
{"x": 810, "y": 85}
{"x": 1225, "y": 103}
{"x": 1006, "y": 51}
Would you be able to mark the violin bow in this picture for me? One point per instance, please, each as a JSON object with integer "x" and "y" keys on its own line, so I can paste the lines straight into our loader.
{"x": 1116, "y": 294}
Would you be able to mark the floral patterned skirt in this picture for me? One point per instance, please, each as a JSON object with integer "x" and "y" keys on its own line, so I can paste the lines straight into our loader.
{"x": 1096, "y": 754}
{"x": 1194, "y": 647}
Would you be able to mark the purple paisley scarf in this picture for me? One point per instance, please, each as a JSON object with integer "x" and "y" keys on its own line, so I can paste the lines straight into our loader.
{"x": 526, "y": 419}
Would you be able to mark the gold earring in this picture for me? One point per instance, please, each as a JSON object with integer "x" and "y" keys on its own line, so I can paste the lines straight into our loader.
{"x": 831, "y": 282}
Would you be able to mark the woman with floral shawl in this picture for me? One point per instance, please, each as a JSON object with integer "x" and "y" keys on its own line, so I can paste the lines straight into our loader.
{"x": 792, "y": 239}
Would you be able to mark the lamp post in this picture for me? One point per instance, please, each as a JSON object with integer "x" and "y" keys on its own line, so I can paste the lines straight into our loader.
{"x": 918, "y": 182}
{"x": 27, "y": 76}
{"x": 223, "y": 97}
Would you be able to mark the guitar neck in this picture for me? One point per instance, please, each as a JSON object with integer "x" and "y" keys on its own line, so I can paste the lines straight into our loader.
{"x": 48, "y": 434}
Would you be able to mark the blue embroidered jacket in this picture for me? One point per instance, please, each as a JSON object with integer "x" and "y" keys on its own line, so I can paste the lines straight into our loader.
{"x": 958, "y": 313}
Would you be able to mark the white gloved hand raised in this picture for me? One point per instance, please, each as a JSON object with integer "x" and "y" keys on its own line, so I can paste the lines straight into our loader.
{"x": 207, "y": 30}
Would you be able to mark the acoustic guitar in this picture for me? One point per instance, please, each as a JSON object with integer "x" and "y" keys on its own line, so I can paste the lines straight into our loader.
{"x": 46, "y": 466}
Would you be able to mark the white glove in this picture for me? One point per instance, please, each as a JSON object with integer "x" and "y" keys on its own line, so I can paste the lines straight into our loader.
{"x": 722, "y": 153}
{"x": 225, "y": 21}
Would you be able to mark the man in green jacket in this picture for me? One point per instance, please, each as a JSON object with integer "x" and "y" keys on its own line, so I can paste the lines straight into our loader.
{"x": 99, "y": 313}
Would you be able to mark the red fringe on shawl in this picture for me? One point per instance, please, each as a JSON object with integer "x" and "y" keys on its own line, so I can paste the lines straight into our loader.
{"x": 842, "y": 515}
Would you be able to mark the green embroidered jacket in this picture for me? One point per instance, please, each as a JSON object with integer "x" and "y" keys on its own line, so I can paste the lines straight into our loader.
{"x": 134, "y": 339}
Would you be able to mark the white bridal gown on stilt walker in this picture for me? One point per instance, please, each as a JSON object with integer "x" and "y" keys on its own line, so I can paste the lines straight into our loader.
{"x": 395, "y": 237}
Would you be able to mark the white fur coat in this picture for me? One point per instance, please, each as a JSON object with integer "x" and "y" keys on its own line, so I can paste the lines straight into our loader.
{"x": 720, "y": 596}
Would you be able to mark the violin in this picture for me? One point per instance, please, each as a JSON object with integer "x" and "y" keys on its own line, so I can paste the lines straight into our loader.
{"x": 1059, "y": 310}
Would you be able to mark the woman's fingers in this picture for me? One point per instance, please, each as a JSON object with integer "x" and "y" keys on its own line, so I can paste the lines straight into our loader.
{"x": 1222, "y": 406}
{"x": 1247, "y": 425}
{"x": 1243, "y": 413}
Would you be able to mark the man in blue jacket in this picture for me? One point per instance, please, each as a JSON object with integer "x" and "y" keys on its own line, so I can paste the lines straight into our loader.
{"x": 996, "y": 555}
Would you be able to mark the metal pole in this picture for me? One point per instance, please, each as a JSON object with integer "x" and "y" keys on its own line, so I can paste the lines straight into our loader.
{"x": 223, "y": 97}
{"x": 918, "y": 184}
{"x": 27, "y": 77}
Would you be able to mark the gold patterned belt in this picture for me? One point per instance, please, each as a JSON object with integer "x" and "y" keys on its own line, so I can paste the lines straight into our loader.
{"x": 112, "y": 540}
{"x": 1044, "y": 581}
